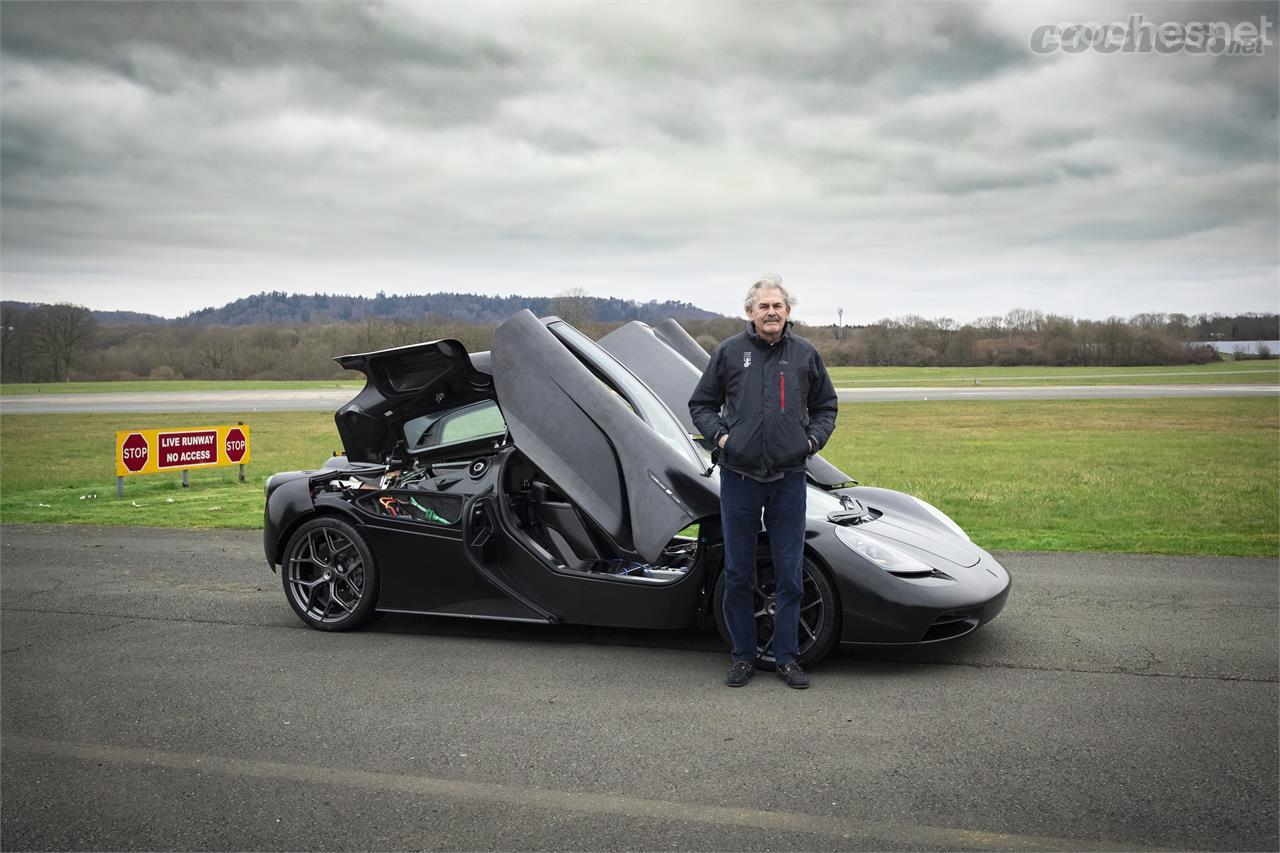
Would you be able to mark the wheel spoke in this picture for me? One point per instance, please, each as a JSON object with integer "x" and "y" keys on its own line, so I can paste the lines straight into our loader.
{"x": 812, "y": 634}
{"x": 807, "y": 607}
{"x": 309, "y": 556}
{"x": 315, "y": 556}
{"x": 352, "y": 587}
{"x": 334, "y": 597}
{"x": 328, "y": 541}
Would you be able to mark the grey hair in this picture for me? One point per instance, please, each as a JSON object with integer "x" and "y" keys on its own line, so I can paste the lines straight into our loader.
{"x": 768, "y": 281}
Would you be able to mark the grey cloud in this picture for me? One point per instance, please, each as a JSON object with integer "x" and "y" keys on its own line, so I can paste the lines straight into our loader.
{"x": 380, "y": 145}
{"x": 346, "y": 36}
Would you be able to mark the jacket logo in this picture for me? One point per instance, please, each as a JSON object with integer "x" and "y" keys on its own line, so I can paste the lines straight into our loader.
{"x": 746, "y": 358}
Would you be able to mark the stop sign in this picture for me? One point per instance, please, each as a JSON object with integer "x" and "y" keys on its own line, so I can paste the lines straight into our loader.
{"x": 236, "y": 444}
{"x": 134, "y": 450}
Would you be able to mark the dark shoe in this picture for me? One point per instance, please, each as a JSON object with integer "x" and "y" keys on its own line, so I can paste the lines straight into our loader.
{"x": 740, "y": 673}
{"x": 793, "y": 675}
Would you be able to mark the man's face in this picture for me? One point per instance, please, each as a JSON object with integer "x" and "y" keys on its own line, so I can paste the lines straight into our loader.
{"x": 770, "y": 313}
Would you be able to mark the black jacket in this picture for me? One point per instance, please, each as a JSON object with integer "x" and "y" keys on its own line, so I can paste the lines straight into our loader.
{"x": 778, "y": 403}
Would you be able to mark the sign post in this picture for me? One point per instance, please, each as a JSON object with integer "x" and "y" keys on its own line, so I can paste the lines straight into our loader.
{"x": 132, "y": 456}
{"x": 151, "y": 451}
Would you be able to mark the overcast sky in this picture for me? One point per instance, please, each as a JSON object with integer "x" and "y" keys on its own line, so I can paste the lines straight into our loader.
{"x": 888, "y": 159}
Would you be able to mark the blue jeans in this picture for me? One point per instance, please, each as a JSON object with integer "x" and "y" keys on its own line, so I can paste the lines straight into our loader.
{"x": 783, "y": 503}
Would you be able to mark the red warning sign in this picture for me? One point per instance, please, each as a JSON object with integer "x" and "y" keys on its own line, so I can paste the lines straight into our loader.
{"x": 133, "y": 452}
{"x": 236, "y": 445}
{"x": 148, "y": 451}
{"x": 187, "y": 449}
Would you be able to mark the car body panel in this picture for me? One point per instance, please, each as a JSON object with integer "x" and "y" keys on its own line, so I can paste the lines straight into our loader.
{"x": 572, "y": 427}
{"x": 674, "y": 335}
{"x": 671, "y": 376}
{"x": 402, "y": 383}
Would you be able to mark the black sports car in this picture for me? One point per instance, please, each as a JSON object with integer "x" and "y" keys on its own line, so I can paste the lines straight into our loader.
{"x": 554, "y": 479}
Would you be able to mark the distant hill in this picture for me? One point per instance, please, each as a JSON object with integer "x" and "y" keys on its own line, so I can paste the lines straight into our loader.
{"x": 106, "y": 318}
{"x": 466, "y": 308}
{"x": 277, "y": 307}
{"x": 128, "y": 318}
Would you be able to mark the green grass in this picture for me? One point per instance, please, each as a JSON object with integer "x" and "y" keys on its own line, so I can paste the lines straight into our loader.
{"x": 1185, "y": 476}
{"x": 54, "y": 459}
{"x": 17, "y": 389}
{"x": 1223, "y": 372}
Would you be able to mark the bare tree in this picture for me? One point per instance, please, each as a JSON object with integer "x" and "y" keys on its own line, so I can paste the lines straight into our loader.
{"x": 1024, "y": 321}
{"x": 573, "y": 306}
{"x": 991, "y": 326}
{"x": 59, "y": 334}
{"x": 215, "y": 353}
{"x": 15, "y": 343}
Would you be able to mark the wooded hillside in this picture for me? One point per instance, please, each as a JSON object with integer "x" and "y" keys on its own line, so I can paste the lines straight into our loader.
{"x": 45, "y": 343}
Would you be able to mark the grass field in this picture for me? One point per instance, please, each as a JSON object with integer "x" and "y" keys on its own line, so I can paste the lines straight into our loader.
{"x": 1223, "y": 372}
{"x": 1163, "y": 476}
{"x": 1188, "y": 476}
{"x": 55, "y": 459}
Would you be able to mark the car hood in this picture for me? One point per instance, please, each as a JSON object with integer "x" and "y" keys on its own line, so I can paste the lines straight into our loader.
{"x": 402, "y": 383}
{"x": 921, "y": 537}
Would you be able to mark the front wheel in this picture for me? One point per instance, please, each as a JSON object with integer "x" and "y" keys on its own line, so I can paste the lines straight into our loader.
{"x": 819, "y": 611}
{"x": 329, "y": 576}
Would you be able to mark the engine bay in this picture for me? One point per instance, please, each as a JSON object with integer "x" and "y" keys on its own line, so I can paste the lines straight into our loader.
{"x": 435, "y": 494}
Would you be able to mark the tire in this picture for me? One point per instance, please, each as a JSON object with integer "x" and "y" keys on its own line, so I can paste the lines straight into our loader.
{"x": 819, "y": 611}
{"x": 329, "y": 577}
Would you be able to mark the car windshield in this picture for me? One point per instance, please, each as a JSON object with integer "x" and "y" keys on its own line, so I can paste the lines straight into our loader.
{"x": 643, "y": 402}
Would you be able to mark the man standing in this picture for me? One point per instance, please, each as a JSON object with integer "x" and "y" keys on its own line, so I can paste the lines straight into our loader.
{"x": 767, "y": 402}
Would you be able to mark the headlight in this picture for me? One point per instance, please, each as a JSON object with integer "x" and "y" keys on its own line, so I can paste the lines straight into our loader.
{"x": 942, "y": 516}
{"x": 891, "y": 559}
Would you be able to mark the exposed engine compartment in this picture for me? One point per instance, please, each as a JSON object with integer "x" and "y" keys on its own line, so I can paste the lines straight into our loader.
{"x": 436, "y": 494}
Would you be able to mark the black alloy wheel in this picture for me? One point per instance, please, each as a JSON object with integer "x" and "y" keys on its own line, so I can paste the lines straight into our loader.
{"x": 819, "y": 611}
{"x": 329, "y": 576}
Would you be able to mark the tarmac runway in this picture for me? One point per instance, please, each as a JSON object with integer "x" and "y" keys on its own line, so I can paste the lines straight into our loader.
{"x": 330, "y": 400}
{"x": 157, "y": 692}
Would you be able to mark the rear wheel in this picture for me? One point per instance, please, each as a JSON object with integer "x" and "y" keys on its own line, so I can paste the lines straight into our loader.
{"x": 819, "y": 611}
{"x": 329, "y": 576}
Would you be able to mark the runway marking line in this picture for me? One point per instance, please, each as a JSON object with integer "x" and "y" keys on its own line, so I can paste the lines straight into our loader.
{"x": 935, "y": 837}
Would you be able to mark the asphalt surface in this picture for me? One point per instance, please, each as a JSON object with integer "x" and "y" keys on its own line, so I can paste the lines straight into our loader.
{"x": 329, "y": 400}
{"x": 157, "y": 692}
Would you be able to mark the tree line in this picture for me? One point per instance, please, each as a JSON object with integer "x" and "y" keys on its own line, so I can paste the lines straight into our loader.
{"x": 52, "y": 343}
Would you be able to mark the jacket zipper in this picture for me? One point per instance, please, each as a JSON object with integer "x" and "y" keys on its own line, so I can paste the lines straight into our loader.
{"x": 782, "y": 391}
